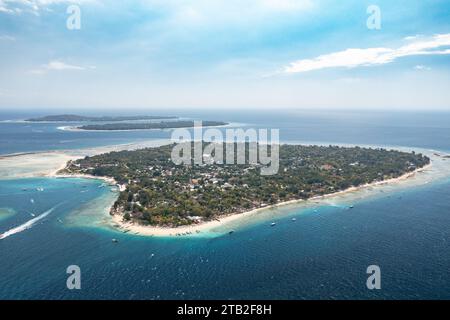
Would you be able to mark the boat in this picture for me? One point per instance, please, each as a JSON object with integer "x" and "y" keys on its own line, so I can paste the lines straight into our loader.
{"x": 294, "y": 219}
{"x": 115, "y": 240}
{"x": 40, "y": 189}
{"x": 351, "y": 207}
{"x": 273, "y": 224}
{"x": 232, "y": 231}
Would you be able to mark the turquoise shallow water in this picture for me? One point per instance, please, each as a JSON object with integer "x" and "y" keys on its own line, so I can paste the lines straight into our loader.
{"x": 323, "y": 254}
{"x": 5, "y": 213}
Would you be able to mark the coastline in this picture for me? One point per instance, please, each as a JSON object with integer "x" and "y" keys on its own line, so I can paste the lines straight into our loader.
{"x": 56, "y": 160}
{"x": 34, "y": 165}
{"x": 41, "y": 164}
{"x": 222, "y": 221}
{"x": 108, "y": 180}
{"x": 79, "y": 129}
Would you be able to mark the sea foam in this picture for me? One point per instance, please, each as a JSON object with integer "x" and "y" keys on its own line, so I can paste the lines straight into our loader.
{"x": 27, "y": 225}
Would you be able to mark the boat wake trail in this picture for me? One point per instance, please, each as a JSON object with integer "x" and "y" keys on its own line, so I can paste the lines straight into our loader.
{"x": 27, "y": 225}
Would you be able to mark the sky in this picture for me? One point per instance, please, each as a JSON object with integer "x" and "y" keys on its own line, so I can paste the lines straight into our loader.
{"x": 225, "y": 54}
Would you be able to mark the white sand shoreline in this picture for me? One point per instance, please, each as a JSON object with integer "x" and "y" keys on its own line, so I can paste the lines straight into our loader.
{"x": 47, "y": 163}
{"x": 203, "y": 227}
{"x": 110, "y": 181}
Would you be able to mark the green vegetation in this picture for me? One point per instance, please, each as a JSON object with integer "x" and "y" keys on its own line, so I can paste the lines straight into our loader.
{"x": 156, "y": 191}
{"x": 76, "y": 118}
{"x": 149, "y": 125}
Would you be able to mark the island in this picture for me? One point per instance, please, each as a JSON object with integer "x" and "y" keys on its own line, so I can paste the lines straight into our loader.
{"x": 149, "y": 125}
{"x": 77, "y": 118}
{"x": 156, "y": 192}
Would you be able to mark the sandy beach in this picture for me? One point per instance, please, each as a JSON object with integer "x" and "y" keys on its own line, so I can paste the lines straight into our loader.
{"x": 224, "y": 221}
{"x": 34, "y": 165}
{"x": 48, "y": 163}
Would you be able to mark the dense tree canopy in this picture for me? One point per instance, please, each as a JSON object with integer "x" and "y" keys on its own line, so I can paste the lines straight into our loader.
{"x": 158, "y": 192}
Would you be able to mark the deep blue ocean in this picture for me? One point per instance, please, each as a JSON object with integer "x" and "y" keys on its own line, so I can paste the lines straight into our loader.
{"x": 322, "y": 255}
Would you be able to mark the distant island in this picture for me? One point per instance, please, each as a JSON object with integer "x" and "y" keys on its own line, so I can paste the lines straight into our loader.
{"x": 76, "y": 118}
{"x": 156, "y": 192}
{"x": 149, "y": 125}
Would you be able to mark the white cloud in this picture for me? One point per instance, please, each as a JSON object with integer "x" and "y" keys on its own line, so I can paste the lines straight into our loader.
{"x": 422, "y": 68}
{"x": 351, "y": 58}
{"x": 219, "y": 7}
{"x": 409, "y": 38}
{"x": 4, "y": 7}
{"x": 58, "y": 65}
{"x": 34, "y": 6}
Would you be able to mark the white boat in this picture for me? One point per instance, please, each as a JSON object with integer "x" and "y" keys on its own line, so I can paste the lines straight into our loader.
{"x": 273, "y": 224}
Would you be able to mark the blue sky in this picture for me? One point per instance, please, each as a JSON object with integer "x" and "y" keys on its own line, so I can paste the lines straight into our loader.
{"x": 251, "y": 54}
